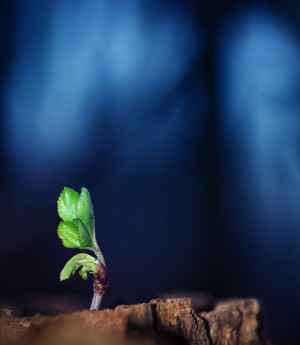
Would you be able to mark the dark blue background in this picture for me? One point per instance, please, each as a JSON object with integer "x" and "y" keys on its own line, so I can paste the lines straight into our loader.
{"x": 183, "y": 121}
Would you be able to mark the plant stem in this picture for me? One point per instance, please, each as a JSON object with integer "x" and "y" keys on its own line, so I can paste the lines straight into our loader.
{"x": 100, "y": 257}
{"x": 99, "y": 254}
{"x": 96, "y": 301}
{"x": 100, "y": 282}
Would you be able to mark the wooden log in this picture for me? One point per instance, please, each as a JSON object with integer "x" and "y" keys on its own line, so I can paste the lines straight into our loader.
{"x": 170, "y": 321}
{"x": 236, "y": 322}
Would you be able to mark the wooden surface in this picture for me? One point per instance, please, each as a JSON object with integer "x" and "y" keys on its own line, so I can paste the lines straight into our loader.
{"x": 170, "y": 321}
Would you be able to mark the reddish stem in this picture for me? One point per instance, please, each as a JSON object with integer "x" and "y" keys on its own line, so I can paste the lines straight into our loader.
{"x": 100, "y": 285}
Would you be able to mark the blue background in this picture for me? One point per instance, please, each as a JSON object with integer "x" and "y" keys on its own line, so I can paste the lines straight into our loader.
{"x": 183, "y": 121}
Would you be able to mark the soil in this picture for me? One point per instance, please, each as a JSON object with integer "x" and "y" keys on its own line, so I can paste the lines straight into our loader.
{"x": 168, "y": 321}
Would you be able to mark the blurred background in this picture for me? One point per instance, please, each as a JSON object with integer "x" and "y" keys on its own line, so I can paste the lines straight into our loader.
{"x": 183, "y": 121}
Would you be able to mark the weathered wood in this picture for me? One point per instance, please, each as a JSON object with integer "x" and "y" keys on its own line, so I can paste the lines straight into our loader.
{"x": 236, "y": 322}
{"x": 178, "y": 318}
{"x": 172, "y": 321}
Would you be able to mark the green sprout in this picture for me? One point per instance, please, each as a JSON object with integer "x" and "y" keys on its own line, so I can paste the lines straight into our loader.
{"x": 77, "y": 230}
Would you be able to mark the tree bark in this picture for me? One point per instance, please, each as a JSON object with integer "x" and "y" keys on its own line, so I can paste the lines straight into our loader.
{"x": 172, "y": 321}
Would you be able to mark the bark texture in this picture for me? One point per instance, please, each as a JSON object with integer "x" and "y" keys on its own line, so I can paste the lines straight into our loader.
{"x": 172, "y": 321}
{"x": 236, "y": 322}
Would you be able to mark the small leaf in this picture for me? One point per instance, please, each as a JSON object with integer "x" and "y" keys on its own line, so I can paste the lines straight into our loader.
{"x": 83, "y": 275}
{"x": 83, "y": 236}
{"x": 67, "y": 204}
{"x": 68, "y": 233}
{"x": 85, "y": 212}
{"x": 84, "y": 260}
{"x": 74, "y": 235}
{"x": 87, "y": 269}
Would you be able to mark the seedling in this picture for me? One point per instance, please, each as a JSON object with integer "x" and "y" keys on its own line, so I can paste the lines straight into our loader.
{"x": 77, "y": 230}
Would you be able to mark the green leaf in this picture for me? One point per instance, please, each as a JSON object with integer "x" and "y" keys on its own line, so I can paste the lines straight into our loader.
{"x": 68, "y": 233}
{"x": 85, "y": 212}
{"x": 85, "y": 261}
{"x": 83, "y": 275}
{"x": 74, "y": 235}
{"x": 87, "y": 269}
{"x": 83, "y": 236}
{"x": 67, "y": 204}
